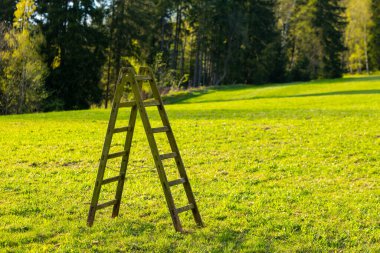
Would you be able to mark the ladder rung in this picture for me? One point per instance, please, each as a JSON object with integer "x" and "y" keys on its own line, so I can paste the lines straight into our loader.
{"x": 160, "y": 129}
{"x": 143, "y": 78}
{"x": 185, "y": 208}
{"x": 109, "y": 203}
{"x": 118, "y": 154}
{"x": 167, "y": 156}
{"x": 120, "y": 130}
{"x": 152, "y": 103}
{"x": 127, "y": 104}
{"x": 110, "y": 180}
{"x": 176, "y": 182}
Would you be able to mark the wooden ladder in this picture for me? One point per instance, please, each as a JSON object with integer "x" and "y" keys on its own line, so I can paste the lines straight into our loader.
{"x": 128, "y": 77}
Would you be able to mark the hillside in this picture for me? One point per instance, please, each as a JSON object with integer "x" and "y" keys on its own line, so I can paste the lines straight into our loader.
{"x": 284, "y": 168}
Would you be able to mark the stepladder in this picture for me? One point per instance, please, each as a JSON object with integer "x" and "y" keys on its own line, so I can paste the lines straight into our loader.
{"x": 129, "y": 79}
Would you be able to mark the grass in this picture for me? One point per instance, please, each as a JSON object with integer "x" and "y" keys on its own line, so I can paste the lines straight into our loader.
{"x": 284, "y": 168}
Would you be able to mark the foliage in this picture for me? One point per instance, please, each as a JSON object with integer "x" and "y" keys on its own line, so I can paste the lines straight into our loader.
{"x": 23, "y": 69}
{"x": 375, "y": 36}
{"x": 329, "y": 24}
{"x": 7, "y": 9}
{"x": 236, "y": 42}
{"x": 357, "y": 34}
{"x": 131, "y": 34}
{"x": 75, "y": 52}
{"x": 284, "y": 168}
{"x": 198, "y": 43}
{"x": 317, "y": 55}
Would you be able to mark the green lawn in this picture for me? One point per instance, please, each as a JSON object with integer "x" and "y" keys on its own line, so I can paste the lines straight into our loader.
{"x": 281, "y": 168}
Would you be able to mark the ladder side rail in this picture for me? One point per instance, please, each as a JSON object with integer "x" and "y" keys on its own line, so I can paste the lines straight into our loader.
{"x": 125, "y": 159}
{"x": 153, "y": 146}
{"x": 105, "y": 151}
{"x": 174, "y": 146}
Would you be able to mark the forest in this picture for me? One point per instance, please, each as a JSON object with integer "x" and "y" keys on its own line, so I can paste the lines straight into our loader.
{"x": 66, "y": 54}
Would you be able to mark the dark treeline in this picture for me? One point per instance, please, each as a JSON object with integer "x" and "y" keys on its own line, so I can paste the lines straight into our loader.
{"x": 66, "y": 54}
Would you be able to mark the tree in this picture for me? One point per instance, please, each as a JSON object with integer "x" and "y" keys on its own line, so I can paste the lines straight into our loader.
{"x": 357, "y": 34}
{"x": 235, "y": 42}
{"x": 314, "y": 38}
{"x": 133, "y": 35}
{"x": 23, "y": 68}
{"x": 304, "y": 52}
{"x": 75, "y": 52}
{"x": 260, "y": 52}
{"x": 329, "y": 26}
{"x": 374, "y": 45}
{"x": 7, "y": 9}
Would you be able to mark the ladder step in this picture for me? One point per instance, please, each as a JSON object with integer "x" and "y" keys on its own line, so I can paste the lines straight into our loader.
{"x": 104, "y": 205}
{"x": 152, "y": 103}
{"x": 167, "y": 156}
{"x": 160, "y": 129}
{"x": 185, "y": 208}
{"x": 118, "y": 154}
{"x": 143, "y": 78}
{"x": 120, "y": 130}
{"x": 110, "y": 180}
{"x": 127, "y": 104}
{"x": 176, "y": 182}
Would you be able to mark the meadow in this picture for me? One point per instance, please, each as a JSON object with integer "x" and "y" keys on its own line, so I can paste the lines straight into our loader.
{"x": 276, "y": 168}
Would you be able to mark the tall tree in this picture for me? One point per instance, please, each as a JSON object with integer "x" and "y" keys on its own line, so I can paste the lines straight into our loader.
{"x": 23, "y": 67}
{"x": 314, "y": 39}
{"x": 329, "y": 26}
{"x": 234, "y": 40}
{"x": 7, "y": 9}
{"x": 357, "y": 34}
{"x": 375, "y": 35}
{"x": 133, "y": 29}
{"x": 261, "y": 53}
{"x": 75, "y": 50}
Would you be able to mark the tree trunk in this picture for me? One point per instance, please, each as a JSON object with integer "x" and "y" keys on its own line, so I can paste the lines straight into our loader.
{"x": 190, "y": 61}
{"x": 366, "y": 49}
{"x": 110, "y": 54}
{"x": 118, "y": 47}
{"x": 197, "y": 60}
{"x": 108, "y": 79}
{"x": 184, "y": 44}
{"x": 226, "y": 62}
{"x": 22, "y": 87}
{"x": 177, "y": 36}
{"x": 162, "y": 33}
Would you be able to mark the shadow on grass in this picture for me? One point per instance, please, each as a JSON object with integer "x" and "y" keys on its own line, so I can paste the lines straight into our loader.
{"x": 348, "y": 92}
{"x": 333, "y": 93}
{"x": 183, "y": 97}
{"x": 284, "y": 114}
{"x": 353, "y": 79}
{"x": 180, "y": 97}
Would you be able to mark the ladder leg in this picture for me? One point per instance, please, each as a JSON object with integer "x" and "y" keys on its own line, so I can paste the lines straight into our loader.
{"x": 125, "y": 159}
{"x": 106, "y": 149}
{"x": 174, "y": 148}
{"x": 157, "y": 160}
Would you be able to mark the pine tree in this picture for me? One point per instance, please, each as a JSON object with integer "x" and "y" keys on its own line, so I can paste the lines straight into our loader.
{"x": 133, "y": 30}
{"x": 260, "y": 52}
{"x": 7, "y": 9}
{"x": 329, "y": 26}
{"x": 235, "y": 42}
{"x": 75, "y": 50}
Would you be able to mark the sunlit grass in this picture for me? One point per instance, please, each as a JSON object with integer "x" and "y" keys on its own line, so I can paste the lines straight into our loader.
{"x": 286, "y": 168}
